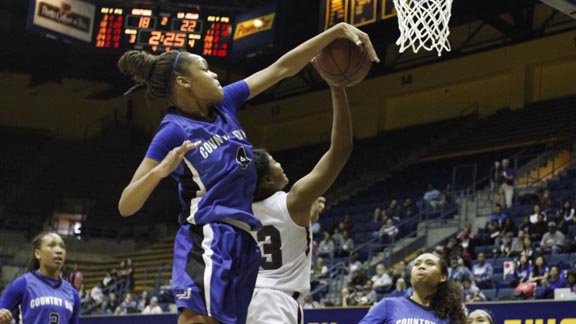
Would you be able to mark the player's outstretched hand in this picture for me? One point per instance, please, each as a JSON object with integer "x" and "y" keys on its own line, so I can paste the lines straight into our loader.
{"x": 359, "y": 38}
{"x": 5, "y": 316}
{"x": 174, "y": 157}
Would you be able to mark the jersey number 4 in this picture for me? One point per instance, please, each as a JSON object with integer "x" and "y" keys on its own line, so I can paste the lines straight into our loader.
{"x": 271, "y": 249}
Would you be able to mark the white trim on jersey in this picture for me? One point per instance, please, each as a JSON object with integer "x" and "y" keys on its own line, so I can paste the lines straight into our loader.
{"x": 207, "y": 256}
{"x": 199, "y": 193}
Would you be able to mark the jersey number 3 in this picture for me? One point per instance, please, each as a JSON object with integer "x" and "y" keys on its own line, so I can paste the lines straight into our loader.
{"x": 271, "y": 250}
{"x": 54, "y": 318}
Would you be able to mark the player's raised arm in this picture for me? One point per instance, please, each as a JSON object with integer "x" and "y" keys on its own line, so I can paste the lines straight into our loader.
{"x": 306, "y": 190}
{"x": 293, "y": 61}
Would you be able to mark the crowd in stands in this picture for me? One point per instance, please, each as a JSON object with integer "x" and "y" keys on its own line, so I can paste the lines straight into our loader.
{"x": 114, "y": 293}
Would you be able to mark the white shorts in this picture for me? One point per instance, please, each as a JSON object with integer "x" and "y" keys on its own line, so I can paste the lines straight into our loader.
{"x": 270, "y": 306}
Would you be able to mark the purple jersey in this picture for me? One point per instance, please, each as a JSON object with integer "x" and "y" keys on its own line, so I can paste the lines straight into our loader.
{"x": 42, "y": 299}
{"x": 401, "y": 311}
{"x": 216, "y": 181}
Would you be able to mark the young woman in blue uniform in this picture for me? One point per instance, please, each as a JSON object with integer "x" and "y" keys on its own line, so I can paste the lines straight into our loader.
{"x": 201, "y": 144}
{"x": 41, "y": 293}
{"x": 434, "y": 299}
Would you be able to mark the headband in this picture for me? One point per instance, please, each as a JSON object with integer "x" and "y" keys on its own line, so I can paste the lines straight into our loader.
{"x": 172, "y": 72}
{"x": 486, "y": 314}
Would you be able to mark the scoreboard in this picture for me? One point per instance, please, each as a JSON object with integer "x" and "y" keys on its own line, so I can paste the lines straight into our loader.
{"x": 162, "y": 30}
{"x": 357, "y": 12}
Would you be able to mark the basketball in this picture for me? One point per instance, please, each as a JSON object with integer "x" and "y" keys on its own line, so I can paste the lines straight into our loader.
{"x": 343, "y": 63}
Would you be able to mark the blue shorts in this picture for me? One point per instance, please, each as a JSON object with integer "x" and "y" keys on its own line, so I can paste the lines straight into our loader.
{"x": 215, "y": 269}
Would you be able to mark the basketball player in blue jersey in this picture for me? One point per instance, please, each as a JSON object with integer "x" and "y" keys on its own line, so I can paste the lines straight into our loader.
{"x": 41, "y": 293}
{"x": 434, "y": 300}
{"x": 285, "y": 239}
{"x": 201, "y": 144}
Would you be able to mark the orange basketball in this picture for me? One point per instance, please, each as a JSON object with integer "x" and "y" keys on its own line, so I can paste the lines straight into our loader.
{"x": 343, "y": 63}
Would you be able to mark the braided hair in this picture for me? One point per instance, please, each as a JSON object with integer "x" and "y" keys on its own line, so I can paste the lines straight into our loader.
{"x": 154, "y": 72}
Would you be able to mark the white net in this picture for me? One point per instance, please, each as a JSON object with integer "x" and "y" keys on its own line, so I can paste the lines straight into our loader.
{"x": 423, "y": 24}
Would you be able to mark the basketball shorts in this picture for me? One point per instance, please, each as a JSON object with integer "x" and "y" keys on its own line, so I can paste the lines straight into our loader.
{"x": 271, "y": 306}
{"x": 214, "y": 271}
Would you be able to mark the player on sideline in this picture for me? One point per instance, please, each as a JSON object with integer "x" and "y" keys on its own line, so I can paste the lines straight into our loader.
{"x": 201, "y": 144}
{"x": 434, "y": 299}
{"x": 41, "y": 293}
{"x": 285, "y": 239}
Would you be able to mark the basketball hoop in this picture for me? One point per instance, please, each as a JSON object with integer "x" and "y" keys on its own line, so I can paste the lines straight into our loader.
{"x": 423, "y": 24}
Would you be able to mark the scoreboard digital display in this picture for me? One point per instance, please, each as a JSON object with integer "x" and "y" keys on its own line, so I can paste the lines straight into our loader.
{"x": 357, "y": 12}
{"x": 158, "y": 30}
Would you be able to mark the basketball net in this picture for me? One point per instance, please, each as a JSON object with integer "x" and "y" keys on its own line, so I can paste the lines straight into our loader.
{"x": 423, "y": 24}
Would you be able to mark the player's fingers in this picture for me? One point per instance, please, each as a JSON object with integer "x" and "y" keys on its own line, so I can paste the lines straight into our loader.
{"x": 365, "y": 39}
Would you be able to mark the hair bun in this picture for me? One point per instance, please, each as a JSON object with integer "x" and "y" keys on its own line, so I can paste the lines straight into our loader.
{"x": 137, "y": 64}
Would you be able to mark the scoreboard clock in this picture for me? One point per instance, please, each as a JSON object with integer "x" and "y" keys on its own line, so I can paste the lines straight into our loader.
{"x": 157, "y": 31}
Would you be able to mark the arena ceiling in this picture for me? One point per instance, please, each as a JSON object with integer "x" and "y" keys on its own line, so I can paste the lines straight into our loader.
{"x": 476, "y": 26}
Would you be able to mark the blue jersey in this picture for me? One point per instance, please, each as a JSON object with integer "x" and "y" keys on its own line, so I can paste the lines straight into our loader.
{"x": 42, "y": 299}
{"x": 216, "y": 181}
{"x": 401, "y": 311}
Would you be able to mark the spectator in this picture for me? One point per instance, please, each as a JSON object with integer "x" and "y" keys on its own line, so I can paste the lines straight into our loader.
{"x": 536, "y": 211}
{"x": 354, "y": 268}
{"x": 309, "y": 302}
{"x": 553, "y": 240}
{"x": 433, "y": 197}
{"x": 337, "y": 239}
{"x": 346, "y": 223}
{"x": 527, "y": 250}
{"x": 546, "y": 201}
{"x": 84, "y": 296}
{"x": 526, "y": 226}
{"x": 367, "y": 296}
{"x": 554, "y": 280}
{"x": 348, "y": 298}
{"x": 400, "y": 290}
{"x": 507, "y": 177}
{"x": 408, "y": 208}
{"x": 522, "y": 271}
{"x": 538, "y": 229}
{"x": 378, "y": 215}
{"x": 381, "y": 280}
{"x": 110, "y": 305}
{"x": 347, "y": 244}
{"x": 471, "y": 293}
{"x": 388, "y": 232}
{"x": 142, "y": 301}
{"x": 482, "y": 272}
{"x": 316, "y": 227}
{"x": 498, "y": 215}
{"x": 394, "y": 210}
{"x": 326, "y": 247}
{"x": 128, "y": 305}
{"x": 107, "y": 280}
{"x": 76, "y": 278}
{"x": 517, "y": 244}
{"x": 508, "y": 226}
{"x": 320, "y": 269}
{"x": 506, "y": 243}
{"x": 129, "y": 275}
{"x": 457, "y": 271}
{"x": 400, "y": 271}
{"x": 97, "y": 295}
{"x": 493, "y": 230}
{"x": 539, "y": 270}
{"x": 566, "y": 216}
{"x": 153, "y": 308}
{"x": 467, "y": 238}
